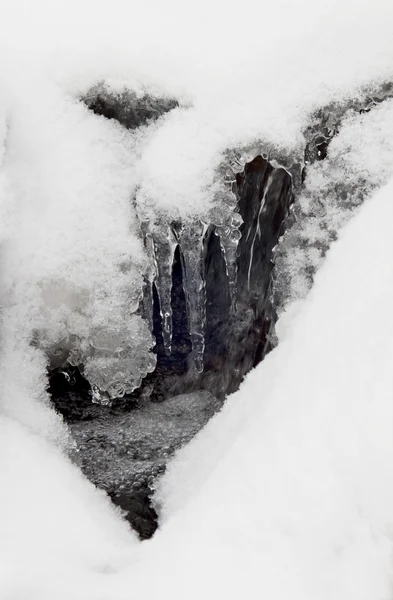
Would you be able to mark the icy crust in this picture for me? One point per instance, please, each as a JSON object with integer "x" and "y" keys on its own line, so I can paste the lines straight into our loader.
{"x": 359, "y": 160}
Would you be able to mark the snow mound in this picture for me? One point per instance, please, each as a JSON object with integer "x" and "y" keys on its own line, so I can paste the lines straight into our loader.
{"x": 287, "y": 491}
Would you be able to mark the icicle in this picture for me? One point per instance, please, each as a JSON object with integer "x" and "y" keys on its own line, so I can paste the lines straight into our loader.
{"x": 191, "y": 245}
{"x": 147, "y": 297}
{"x": 227, "y": 219}
{"x": 164, "y": 250}
{"x": 229, "y": 241}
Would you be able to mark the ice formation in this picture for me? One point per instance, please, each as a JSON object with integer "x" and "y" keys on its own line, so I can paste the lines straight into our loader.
{"x": 162, "y": 241}
{"x": 163, "y": 234}
{"x": 164, "y": 246}
{"x": 170, "y": 229}
{"x": 103, "y": 324}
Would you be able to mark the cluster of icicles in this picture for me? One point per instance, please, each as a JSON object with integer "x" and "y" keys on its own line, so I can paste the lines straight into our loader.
{"x": 161, "y": 242}
{"x": 121, "y": 371}
{"x": 224, "y": 221}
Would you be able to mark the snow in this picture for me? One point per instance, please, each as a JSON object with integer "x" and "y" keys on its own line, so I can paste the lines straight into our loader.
{"x": 287, "y": 491}
{"x": 54, "y": 523}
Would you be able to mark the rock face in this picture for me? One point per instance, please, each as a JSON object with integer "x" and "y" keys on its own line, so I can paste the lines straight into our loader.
{"x": 238, "y": 339}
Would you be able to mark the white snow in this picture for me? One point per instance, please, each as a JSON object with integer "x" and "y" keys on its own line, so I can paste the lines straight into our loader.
{"x": 286, "y": 492}
{"x": 54, "y": 525}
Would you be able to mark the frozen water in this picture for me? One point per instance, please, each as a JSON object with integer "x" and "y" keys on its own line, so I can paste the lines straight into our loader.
{"x": 164, "y": 245}
{"x": 191, "y": 245}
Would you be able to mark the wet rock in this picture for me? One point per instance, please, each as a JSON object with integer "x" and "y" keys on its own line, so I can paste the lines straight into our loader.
{"x": 124, "y": 453}
{"x": 236, "y": 341}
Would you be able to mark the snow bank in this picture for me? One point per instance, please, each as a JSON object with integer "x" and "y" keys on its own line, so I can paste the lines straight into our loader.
{"x": 55, "y": 528}
{"x": 287, "y": 492}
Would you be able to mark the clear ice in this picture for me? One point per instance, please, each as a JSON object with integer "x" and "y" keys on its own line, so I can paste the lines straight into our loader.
{"x": 164, "y": 246}
{"x": 115, "y": 358}
{"x": 191, "y": 245}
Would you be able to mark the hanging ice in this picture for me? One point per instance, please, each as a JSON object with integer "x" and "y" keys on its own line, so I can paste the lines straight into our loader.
{"x": 191, "y": 245}
{"x": 227, "y": 219}
{"x": 164, "y": 246}
{"x": 229, "y": 240}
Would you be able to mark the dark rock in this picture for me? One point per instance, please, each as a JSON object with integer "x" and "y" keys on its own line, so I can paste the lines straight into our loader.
{"x": 138, "y": 510}
{"x": 126, "y": 107}
{"x": 236, "y": 342}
